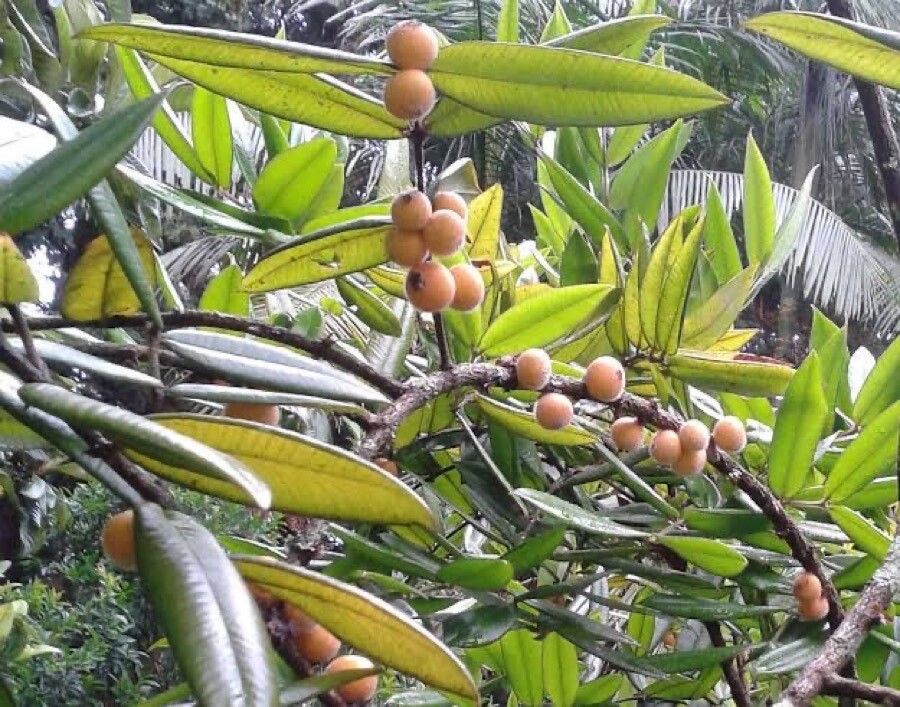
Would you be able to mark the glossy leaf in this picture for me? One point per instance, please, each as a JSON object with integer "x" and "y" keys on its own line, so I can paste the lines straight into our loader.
{"x": 232, "y": 394}
{"x": 535, "y": 550}
{"x": 715, "y": 373}
{"x": 719, "y": 238}
{"x": 23, "y": 144}
{"x": 522, "y": 657}
{"x": 861, "y": 531}
{"x": 553, "y": 86}
{"x": 710, "y": 555}
{"x": 290, "y": 182}
{"x": 576, "y": 517}
{"x": 559, "y": 660}
{"x": 484, "y": 223}
{"x": 321, "y": 256}
{"x": 364, "y": 622}
{"x": 223, "y": 293}
{"x": 689, "y": 661}
{"x": 882, "y": 386}
{"x": 478, "y": 626}
{"x": 725, "y": 522}
{"x": 545, "y": 318}
{"x": 370, "y": 308}
{"x": 877, "y": 494}
{"x": 480, "y": 573}
{"x": 797, "y": 429}
{"x": 523, "y": 424}
{"x": 211, "y": 131}
{"x": 758, "y": 205}
{"x": 211, "y": 622}
{"x": 611, "y": 37}
{"x": 710, "y": 321}
{"x": 705, "y": 609}
{"x": 600, "y": 690}
{"x": 17, "y": 283}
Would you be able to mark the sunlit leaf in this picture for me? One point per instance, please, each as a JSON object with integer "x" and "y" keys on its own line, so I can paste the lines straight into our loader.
{"x": 758, "y": 205}
{"x": 882, "y": 386}
{"x": 861, "y": 531}
{"x": 17, "y": 283}
{"x": 726, "y": 374}
{"x": 710, "y": 555}
{"x": 223, "y": 293}
{"x": 211, "y": 131}
{"x": 484, "y": 223}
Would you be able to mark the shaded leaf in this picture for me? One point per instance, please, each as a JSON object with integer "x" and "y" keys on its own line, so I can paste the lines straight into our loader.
{"x": 576, "y": 517}
{"x": 17, "y": 283}
{"x": 223, "y": 293}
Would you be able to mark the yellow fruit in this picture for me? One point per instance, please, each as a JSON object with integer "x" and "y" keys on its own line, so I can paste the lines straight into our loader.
{"x": 409, "y": 94}
{"x": 553, "y": 411}
{"x": 469, "y": 287}
{"x": 266, "y": 414}
{"x": 627, "y": 434}
{"x": 361, "y": 690}
{"x": 117, "y": 541}
{"x": 605, "y": 379}
{"x": 690, "y": 462}
{"x": 729, "y": 435}
{"x": 316, "y": 644}
{"x": 533, "y": 369}
{"x": 430, "y": 287}
{"x": 406, "y": 248}
{"x": 411, "y": 45}
{"x": 813, "y": 610}
{"x": 807, "y": 587}
{"x": 694, "y": 436}
{"x": 410, "y": 210}
{"x": 451, "y": 201}
{"x": 388, "y": 465}
{"x": 444, "y": 233}
{"x": 665, "y": 447}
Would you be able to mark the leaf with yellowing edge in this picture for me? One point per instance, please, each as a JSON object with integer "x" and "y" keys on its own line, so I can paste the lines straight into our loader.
{"x": 17, "y": 283}
{"x": 364, "y": 622}
{"x": 484, "y": 223}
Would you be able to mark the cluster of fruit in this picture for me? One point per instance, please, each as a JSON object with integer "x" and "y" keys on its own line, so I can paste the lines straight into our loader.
{"x": 604, "y": 381}
{"x": 412, "y": 48}
{"x": 811, "y": 605}
{"x": 426, "y": 227}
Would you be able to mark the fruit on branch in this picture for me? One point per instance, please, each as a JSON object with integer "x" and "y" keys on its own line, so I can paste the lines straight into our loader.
{"x": 553, "y": 411}
{"x": 627, "y": 434}
{"x": 665, "y": 447}
{"x": 316, "y": 644}
{"x": 445, "y": 232}
{"x": 406, "y": 248}
{"x": 409, "y": 94}
{"x": 669, "y": 639}
{"x": 411, "y": 45}
{"x": 690, "y": 462}
{"x": 410, "y": 210}
{"x": 451, "y": 201}
{"x": 813, "y": 610}
{"x": 388, "y": 465}
{"x": 430, "y": 287}
{"x": 605, "y": 379}
{"x": 729, "y": 434}
{"x": 298, "y": 620}
{"x": 117, "y": 541}
{"x": 361, "y": 690}
{"x": 266, "y": 414}
{"x": 263, "y": 597}
{"x": 807, "y": 587}
{"x": 533, "y": 369}
{"x": 694, "y": 436}
{"x": 469, "y": 287}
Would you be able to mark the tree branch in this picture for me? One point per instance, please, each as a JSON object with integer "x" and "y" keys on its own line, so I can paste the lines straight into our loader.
{"x": 842, "y": 645}
{"x": 879, "y": 694}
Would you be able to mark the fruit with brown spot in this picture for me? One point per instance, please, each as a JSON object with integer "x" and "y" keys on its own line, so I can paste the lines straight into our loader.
{"x": 409, "y": 94}
{"x": 430, "y": 287}
{"x": 605, "y": 379}
{"x": 627, "y": 434}
{"x": 361, "y": 690}
{"x": 411, "y": 45}
{"x": 406, "y": 248}
{"x": 533, "y": 369}
{"x": 444, "y": 233}
{"x": 729, "y": 435}
{"x": 665, "y": 447}
{"x": 117, "y": 541}
{"x": 469, "y": 287}
{"x": 410, "y": 210}
{"x": 553, "y": 411}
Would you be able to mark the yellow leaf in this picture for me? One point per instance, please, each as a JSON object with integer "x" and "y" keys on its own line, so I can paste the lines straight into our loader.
{"x": 17, "y": 283}
{"x": 484, "y": 223}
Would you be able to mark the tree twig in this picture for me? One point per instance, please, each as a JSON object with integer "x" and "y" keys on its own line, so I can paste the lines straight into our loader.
{"x": 21, "y": 327}
{"x": 838, "y": 686}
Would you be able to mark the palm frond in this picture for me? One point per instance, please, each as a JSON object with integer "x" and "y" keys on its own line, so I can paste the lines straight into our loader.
{"x": 839, "y": 270}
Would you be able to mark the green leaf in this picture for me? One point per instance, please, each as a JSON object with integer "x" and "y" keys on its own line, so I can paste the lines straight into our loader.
{"x": 706, "y": 609}
{"x": 484, "y": 223}
{"x": 658, "y": 269}
{"x": 861, "y": 531}
{"x": 725, "y": 522}
{"x": 274, "y": 137}
{"x": 224, "y": 294}
{"x": 576, "y": 517}
{"x": 599, "y": 691}
{"x": 321, "y": 255}
{"x": 788, "y": 657}
{"x": 710, "y": 555}
{"x": 222, "y": 48}
{"x": 560, "y": 669}
{"x": 641, "y": 626}
{"x": 535, "y": 550}
{"x": 758, "y": 206}
{"x": 725, "y": 374}
{"x": 290, "y": 182}
{"x": 714, "y": 318}
{"x": 882, "y": 387}
{"x": 211, "y": 131}
{"x": 523, "y": 424}
{"x": 305, "y": 476}
{"x": 719, "y": 238}
{"x": 522, "y": 657}
{"x": 363, "y": 622}
{"x": 370, "y": 308}
{"x": 47, "y": 186}
{"x": 578, "y": 265}
{"x": 508, "y": 21}
{"x": 480, "y": 573}
{"x": 611, "y": 37}
{"x": 872, "y": 454}
{"x": 140, "y": 435}
{"x": 557, "y": 24}
{"x": 232, "y": 394}
{"x": 797, "y": 430}
{"x": 835, "y": 359}
{"x": 478, "y": 626}
{"x": 210, "y": 619}
{"x": 17, "y": 283}
{"x": 870, "y": 53}
{"x": 630, "y": 307}
{"x": 553, "y": 86}
{"x": 689, "y": 661}
{"x": 879, "y": 493}
{"x": 543, "y": 319}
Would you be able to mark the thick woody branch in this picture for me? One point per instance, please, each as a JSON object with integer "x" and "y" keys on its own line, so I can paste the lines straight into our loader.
{"x": 878, "y": 694}
{"x": 842, "y": 645}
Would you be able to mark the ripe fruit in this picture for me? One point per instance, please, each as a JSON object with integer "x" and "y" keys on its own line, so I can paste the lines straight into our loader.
{"x": 298, "y": 620}
{"x": 533, "y": 369}
{"x": 729, "y": 435}
{"x": 694, "y": 436}
{"x": 813, "y": 610}
{"x": 670, "y": 640}
{"x": 452, "y": 201}
{"x": 430, "y": 287}
{"x": 665, "y": 447}
{"x": 807, "y": 587}
{"x": 388, "y": 465}
{"x": 627, "y": 434}
{"x": 406, "y": 248}
{"x": 117, "y": 540}
{"x": 553, "y": 411}
{"x": 266, "y": 414}
{"x": 316, "y": 644}
{"x": 445, "y": 232}
{"x": 361, "y": 690}
{"x": 411, "y": 45}
{"x": 690, "y": 462}
{"x": 410, "y": 210}
{"x": 469, "y": 287}
{"x": 605, "y": 379}
{"x": 264, "y": 598}
{"x": 409, "y": 94}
